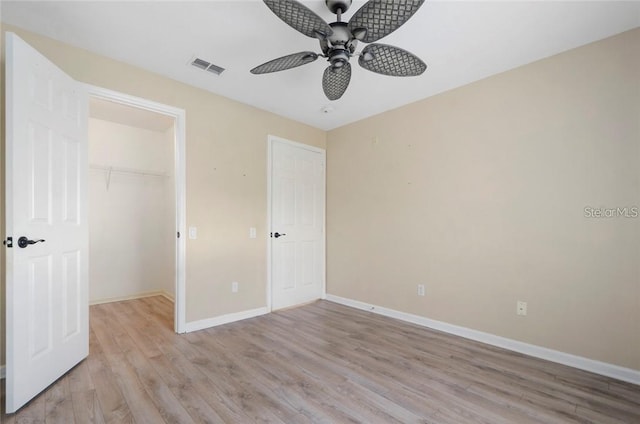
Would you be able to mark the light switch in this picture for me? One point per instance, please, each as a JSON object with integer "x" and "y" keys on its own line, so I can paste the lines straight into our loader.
{"x": 252, "y": 232}
{"x": 193, "y": 233}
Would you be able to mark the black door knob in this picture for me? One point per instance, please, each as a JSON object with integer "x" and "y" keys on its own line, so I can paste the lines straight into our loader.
{"x": 24, "y": 242}
{"x": 276, "y": 235}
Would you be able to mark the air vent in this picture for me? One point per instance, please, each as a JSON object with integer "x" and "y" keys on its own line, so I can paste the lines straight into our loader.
{"x": 207, "y": 66}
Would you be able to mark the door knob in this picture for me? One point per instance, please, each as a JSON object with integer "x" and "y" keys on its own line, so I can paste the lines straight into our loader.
{"x": 276, "y": 235}
{"x": 24, "y": 242}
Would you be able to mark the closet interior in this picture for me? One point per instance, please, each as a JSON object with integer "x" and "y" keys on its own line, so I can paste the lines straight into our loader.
{"x": 132, "y": 203}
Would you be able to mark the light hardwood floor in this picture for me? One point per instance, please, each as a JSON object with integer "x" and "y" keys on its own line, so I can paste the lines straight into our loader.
{"x": 320, "y": 363}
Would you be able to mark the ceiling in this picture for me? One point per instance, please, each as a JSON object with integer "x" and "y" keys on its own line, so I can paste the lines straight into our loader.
{"x": 461, "y": 42}
{"x": 128, "y": 115}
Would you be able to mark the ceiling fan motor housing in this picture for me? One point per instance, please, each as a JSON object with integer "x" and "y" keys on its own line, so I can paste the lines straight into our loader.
{"x": 343, "y": 44}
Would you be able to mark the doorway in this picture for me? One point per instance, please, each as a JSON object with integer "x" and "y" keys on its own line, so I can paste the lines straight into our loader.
{"x": 136, "y": 200}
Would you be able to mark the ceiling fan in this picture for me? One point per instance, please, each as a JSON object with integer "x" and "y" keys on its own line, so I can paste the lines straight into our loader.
{"x": 339, "y": 40}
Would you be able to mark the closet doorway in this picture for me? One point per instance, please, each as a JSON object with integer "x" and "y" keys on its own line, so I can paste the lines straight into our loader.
{"x": 136, "y": 206}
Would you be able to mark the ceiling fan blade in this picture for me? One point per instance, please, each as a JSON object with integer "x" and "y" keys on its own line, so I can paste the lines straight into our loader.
{"x": 389, "y": 60}
{"x": 336, "y": 80}
{"x": 300, "y": 18}
{"x": 285, "y": 62}
{"x": 381, "y": 17}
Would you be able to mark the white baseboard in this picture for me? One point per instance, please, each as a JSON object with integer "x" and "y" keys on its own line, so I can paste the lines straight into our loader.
{"x": 133, "y": 297}
{"x": 167, "y": 296}
{"x": 225, "y": 319}
{"x": 2, "y": 372}
{"x": 597, "y": 367}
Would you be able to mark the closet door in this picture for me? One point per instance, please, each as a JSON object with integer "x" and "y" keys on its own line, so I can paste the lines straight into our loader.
{"x": 297, "y": 223}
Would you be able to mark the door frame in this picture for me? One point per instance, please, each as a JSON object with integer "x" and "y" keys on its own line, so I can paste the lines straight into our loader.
{"x": 271, "y": 139}
{"x": 179, "y": 116}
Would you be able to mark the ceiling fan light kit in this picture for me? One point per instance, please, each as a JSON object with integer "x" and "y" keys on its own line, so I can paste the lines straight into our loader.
{"x": 339, "y": 40}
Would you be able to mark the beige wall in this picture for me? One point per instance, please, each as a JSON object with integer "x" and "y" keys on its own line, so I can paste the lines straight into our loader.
{"x": 226, "y": 175}
{"x": 132, "y": 222}
{"x": 479, "y": 193}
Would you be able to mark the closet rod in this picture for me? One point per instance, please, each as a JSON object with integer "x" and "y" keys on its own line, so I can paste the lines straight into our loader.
{"x": 129, "y": 170}
{"x": 111, "y": 169}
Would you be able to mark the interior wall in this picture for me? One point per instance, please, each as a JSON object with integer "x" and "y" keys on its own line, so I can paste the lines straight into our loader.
{"x": 131, "y": 216}
{"x": 480, "y": 194}
{"x": 226, "y": 160}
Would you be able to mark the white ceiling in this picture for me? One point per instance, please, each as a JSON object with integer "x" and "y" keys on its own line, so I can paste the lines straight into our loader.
{"x": 461, "y": 42}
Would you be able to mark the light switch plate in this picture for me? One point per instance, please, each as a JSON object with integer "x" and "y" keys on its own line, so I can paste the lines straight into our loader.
{"x": 252, "y": 232}
{"x": 193, "y": 233}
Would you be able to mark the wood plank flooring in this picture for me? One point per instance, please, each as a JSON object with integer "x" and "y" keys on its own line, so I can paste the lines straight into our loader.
{"x": 320, "y": 363}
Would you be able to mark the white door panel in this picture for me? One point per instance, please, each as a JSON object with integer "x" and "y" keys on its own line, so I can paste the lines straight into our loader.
{"x": 297, "y": 211}
{"x": 46, "y": 199}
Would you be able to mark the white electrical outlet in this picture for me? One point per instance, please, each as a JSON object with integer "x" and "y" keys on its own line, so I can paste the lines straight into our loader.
{"x": 421, "y": 290}
{"x": 234, "y": 287}
{"x": 521, "y": 308}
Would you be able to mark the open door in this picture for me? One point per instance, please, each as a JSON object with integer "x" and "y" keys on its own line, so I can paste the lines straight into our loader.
{"x": 47, "y": 233}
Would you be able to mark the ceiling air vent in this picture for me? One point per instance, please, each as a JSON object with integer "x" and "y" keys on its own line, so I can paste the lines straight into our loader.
{"x": 207, "y": 66}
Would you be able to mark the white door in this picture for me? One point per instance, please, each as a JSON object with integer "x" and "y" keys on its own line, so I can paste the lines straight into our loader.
{"x": 297, "y": 223}
{"x": 46, "y": 202}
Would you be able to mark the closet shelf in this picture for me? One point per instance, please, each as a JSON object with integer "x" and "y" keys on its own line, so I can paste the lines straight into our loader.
{"x": 110, "y": 169}
{"x": 129, "y": 170}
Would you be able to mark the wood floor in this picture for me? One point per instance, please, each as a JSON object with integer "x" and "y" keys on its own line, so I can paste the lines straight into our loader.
{"x": 320, "y": 363}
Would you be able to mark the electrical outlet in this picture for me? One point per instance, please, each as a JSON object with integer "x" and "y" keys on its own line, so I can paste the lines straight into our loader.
{"x": 421, "y": 289}
{"x": 234, "y": 287}
{"x": 521, "y": 308}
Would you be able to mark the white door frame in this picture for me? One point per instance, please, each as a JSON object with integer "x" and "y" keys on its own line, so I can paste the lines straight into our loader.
{"x": 179, "y": 115}
{"x": 270, "y": 140}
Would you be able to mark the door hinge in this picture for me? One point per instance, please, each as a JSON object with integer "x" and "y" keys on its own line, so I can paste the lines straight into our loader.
{"x": 178, "y": 234}
{"x": 8, "y": 242}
